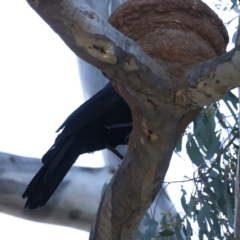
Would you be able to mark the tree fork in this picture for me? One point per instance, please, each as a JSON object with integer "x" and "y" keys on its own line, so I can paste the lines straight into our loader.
{"x": 167, "y": 72}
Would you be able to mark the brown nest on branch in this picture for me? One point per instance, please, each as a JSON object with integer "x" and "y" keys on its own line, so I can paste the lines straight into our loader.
{"x": 177, "y": 33}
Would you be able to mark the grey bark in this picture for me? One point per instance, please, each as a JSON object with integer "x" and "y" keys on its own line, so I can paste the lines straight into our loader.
{"x": 91, "y": 78}
{"x": 153, "y": 102}
{"x": 75, "y": 202}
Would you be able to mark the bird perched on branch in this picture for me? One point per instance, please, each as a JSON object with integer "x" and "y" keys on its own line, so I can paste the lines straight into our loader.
{"x": 104, "y": 121}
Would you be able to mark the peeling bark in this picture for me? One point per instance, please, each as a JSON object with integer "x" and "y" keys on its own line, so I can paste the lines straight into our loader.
{"x": 164, "y": 95}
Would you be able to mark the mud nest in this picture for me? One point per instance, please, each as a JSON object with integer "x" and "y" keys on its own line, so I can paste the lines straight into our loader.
{"x": 177, "y": 33}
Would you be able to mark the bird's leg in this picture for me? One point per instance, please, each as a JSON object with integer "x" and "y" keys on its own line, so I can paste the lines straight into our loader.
{"x": 115, "y": 151}
{"x": 119, "y": 125}
{"x": 127, "y": 137}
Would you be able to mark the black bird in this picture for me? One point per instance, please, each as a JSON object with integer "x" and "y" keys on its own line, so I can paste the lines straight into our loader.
{"x": 104, "y": 121}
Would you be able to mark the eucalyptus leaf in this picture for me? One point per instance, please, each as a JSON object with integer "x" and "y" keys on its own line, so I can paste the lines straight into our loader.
{"x": 194, "y": 153}
{"x": 179, "y": 145}
{"x": 214, "y": 146}
{"x": 230, "y": 214}
{"x": 234, "y": 37}
{"x": 151, "y": 225}
{"x": 200, "y": 144}
{"x": 231, "y": 109}
{"x": 178, "y": 232}
{"x": 230, "y": 97}
{"x": 189, "y": 230}
{"x": 191, "y": 206}
{"x": 198, "y": 123}
{"x": 183, "y": 200}
{"x": 167, "y": 233}
{"x": 221, "y": 118}
{"x": 218, "y": 187}
{"x": 201, "y": 220}
{"x": 104, "y": 189}
{"x": 211, "y": 194}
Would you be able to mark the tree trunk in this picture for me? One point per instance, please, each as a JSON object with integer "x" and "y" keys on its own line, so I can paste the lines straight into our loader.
{"x": 166, "y": 82}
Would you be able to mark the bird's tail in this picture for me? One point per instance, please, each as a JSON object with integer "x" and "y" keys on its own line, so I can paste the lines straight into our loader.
{"x": 57, "y": 162}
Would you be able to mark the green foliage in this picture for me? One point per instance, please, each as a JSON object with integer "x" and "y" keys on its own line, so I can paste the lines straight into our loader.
{"x": 212, "y": 147}
{"x": 151, "y": 227}
{"x": 234, "y": 3}
{"x": 104, "y": 188}
{"x": 166, "y": 233}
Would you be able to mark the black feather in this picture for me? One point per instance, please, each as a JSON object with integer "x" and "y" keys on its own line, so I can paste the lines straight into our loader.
{"x": 85, "y": 130}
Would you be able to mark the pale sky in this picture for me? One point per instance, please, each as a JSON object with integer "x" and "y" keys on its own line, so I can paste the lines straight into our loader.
{"x": 38, "y": 80}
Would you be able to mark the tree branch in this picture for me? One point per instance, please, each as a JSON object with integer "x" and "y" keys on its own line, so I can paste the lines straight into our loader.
{"x": 211, "y": 80}
{"x": 74, "y": 204}
{"x": 97, "y": 42}
{"x": 161, "y": 106}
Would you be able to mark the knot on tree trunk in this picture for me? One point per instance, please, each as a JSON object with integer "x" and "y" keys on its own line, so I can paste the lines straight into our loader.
{"x": 177, "y": 33}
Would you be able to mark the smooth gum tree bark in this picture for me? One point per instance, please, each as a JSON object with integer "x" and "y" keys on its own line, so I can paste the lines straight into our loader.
{"x": 165, "y": 72}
